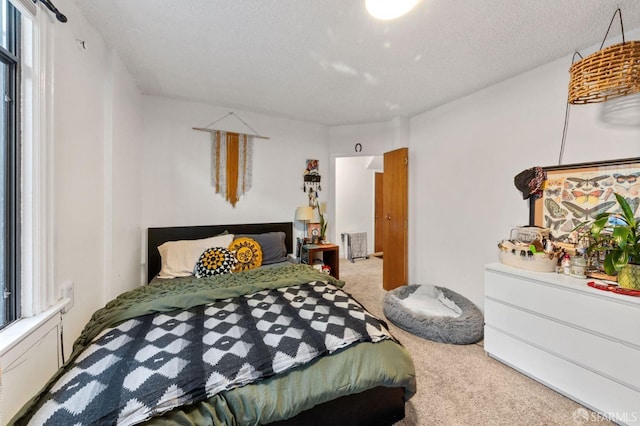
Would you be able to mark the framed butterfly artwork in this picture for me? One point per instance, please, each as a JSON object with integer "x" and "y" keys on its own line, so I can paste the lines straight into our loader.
{"x": 573, "y": 194}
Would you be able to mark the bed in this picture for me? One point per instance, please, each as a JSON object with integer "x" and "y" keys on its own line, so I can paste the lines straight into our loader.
{"x": 231, "y": 348}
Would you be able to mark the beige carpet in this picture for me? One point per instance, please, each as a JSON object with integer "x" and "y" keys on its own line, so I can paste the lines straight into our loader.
{"x": 461, "y": 385}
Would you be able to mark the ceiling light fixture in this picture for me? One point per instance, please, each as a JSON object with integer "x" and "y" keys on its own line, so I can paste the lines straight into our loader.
{"x": 389, "y": 9}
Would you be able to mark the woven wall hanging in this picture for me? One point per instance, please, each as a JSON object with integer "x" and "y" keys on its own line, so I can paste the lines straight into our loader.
{"x": 231, "y": 160}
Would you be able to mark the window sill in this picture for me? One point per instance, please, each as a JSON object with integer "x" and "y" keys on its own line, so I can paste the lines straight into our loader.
{"x": 16, "y": 332}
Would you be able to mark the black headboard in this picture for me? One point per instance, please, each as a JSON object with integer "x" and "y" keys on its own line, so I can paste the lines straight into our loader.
{"x": 158, "y": 236}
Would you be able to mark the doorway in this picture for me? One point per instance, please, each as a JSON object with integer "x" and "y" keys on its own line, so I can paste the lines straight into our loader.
{"x": 358, "y": 209}
{"x": 354, "y": 199}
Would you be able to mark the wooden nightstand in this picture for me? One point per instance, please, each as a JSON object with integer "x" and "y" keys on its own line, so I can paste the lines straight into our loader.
{"x": 329, "y": 253}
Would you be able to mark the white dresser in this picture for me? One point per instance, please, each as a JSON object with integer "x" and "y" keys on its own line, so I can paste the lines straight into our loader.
{"x": 580, "y": 341}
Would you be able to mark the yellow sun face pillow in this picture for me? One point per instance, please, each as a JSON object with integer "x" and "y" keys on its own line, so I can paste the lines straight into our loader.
{"x": 248, "y": 253}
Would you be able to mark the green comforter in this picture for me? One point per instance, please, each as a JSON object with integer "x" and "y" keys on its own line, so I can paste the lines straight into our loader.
{"x": 355, "y": 369}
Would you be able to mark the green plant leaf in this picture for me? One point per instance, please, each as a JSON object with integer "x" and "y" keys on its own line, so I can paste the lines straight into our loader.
{"x": 626, "y": 209}
{"x": 619, "y": 258}
{"x": 608, "y": 266}
{"x": 620, "y": 236}
{"x": 601, "y": 215}
{"x": 598, "y": 225}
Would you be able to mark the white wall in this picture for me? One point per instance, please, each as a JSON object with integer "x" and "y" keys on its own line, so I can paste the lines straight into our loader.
{"x": 97, "y": 123}
{"x": 375, "y": 138}
{"x": 464, "y": 155}
{"x": 355, "y": 199}
{"x": 126, "y": 144}
{"x": 79, "y": 108}
{"x": 177, "y": 186}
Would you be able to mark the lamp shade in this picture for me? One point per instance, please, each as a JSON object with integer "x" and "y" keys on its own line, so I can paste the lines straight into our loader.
{"x": 304, "y": 213}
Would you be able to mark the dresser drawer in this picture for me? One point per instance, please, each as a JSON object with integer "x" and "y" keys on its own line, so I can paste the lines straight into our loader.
{"x": 582, "y": 385}
{"x": 588, "y": 310}
{"x": 607, "y": 357}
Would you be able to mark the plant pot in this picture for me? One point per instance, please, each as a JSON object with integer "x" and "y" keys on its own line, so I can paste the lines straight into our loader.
{"x": 629, "y": 277}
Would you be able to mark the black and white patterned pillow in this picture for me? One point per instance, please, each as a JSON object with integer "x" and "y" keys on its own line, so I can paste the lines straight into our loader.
{"x": 215, "y": 261}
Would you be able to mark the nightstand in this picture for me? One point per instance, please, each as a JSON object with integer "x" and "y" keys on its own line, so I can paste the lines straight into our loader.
{"x": 329, "y": 253}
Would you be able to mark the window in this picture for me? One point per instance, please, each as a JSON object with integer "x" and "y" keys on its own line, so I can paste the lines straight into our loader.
{"x": 9, "y": 164}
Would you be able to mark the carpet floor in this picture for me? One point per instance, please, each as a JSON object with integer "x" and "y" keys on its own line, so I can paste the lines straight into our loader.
{"x": 460, "y": 384}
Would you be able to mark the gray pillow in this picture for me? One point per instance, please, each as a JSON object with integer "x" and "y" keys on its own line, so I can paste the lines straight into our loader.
{"x": 274, "y": 249}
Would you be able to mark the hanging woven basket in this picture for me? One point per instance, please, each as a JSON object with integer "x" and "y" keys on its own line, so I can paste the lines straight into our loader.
{"x": 606, "y": 74}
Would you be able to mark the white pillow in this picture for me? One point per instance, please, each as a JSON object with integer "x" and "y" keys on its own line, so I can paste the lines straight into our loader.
{"x": 180, "y": 257}
{"x": 429, "y": 300}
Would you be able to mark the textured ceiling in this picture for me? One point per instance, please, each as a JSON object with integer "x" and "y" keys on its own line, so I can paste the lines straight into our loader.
{"x": 329, "y": 62}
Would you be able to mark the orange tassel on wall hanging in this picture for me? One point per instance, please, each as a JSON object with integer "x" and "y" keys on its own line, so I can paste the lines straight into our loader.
{"x": 232, "y": 157}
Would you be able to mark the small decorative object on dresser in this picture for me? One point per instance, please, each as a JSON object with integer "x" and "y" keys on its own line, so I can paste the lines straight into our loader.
{"x": 526, "y": 249}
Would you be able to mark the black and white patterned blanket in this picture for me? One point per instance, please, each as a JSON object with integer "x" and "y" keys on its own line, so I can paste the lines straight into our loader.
{"x": 154, "y": 363}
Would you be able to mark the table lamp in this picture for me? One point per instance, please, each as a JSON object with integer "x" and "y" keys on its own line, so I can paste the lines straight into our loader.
{"x": 304, "y": 214}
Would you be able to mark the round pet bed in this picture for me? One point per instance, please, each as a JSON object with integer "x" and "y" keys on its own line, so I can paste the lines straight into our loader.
{"x": 463, "y": 327}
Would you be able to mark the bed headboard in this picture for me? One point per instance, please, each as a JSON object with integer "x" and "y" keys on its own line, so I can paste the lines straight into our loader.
{"x": 158, "y": 236}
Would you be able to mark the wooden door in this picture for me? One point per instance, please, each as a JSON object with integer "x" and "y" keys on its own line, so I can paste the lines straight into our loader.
{"x": 378, "y": 246}
{"x": 395, "y": 219}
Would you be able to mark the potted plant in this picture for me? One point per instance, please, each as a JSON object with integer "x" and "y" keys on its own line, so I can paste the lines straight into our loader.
{"x": 323, "y": 223}
{"x": 618, "y": 235}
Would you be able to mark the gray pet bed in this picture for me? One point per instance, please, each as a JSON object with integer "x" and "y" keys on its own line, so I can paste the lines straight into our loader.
{"x": 464, "y": 329}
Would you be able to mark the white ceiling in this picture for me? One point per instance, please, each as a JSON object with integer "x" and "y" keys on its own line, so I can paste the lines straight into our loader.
{"x": 329, "y": 62}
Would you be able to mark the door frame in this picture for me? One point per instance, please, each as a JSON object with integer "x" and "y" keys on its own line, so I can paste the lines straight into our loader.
{"x": 331, "y": 199}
